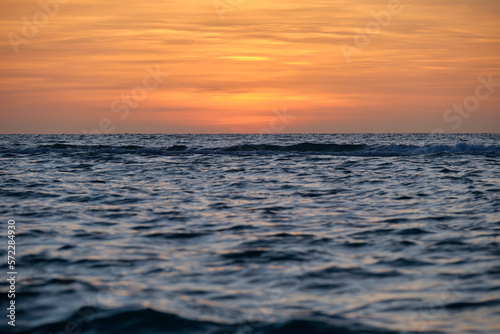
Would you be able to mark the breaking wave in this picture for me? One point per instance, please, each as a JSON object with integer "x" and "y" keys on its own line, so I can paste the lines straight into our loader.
{"x": 155, "y": 322}
{"x": 248, "y": 148}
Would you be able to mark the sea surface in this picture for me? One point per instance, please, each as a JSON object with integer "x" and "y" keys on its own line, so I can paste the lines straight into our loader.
{"x": 219, "y": 234}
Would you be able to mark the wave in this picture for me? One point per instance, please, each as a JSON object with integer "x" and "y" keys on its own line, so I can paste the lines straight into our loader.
{"x": 94, "y": 320}
{"x": 248, "y": 148}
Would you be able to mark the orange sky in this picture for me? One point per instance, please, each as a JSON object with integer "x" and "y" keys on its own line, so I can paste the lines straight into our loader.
{"x": 229, "y": 69}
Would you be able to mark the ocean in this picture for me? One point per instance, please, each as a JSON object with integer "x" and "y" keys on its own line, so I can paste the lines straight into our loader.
{"x": 285, "y": 233}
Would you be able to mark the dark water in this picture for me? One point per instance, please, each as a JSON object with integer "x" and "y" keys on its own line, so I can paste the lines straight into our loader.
{"x": 253, "y": 234}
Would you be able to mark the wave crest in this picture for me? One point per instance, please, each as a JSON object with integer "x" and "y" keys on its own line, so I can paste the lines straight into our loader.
{"x": 249, "y": 148}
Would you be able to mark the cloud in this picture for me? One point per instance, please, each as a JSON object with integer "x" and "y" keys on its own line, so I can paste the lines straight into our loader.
{"x": 263, "y": 55}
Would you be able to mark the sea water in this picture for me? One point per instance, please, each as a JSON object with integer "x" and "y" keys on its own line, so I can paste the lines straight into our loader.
{"x": 299, "y": 233}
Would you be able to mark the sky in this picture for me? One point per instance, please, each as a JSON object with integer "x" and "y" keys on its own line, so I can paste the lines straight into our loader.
{"x": 249, "y": 66}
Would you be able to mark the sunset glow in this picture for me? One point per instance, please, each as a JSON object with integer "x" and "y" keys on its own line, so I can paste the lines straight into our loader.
{"x": 336, "y": 65}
